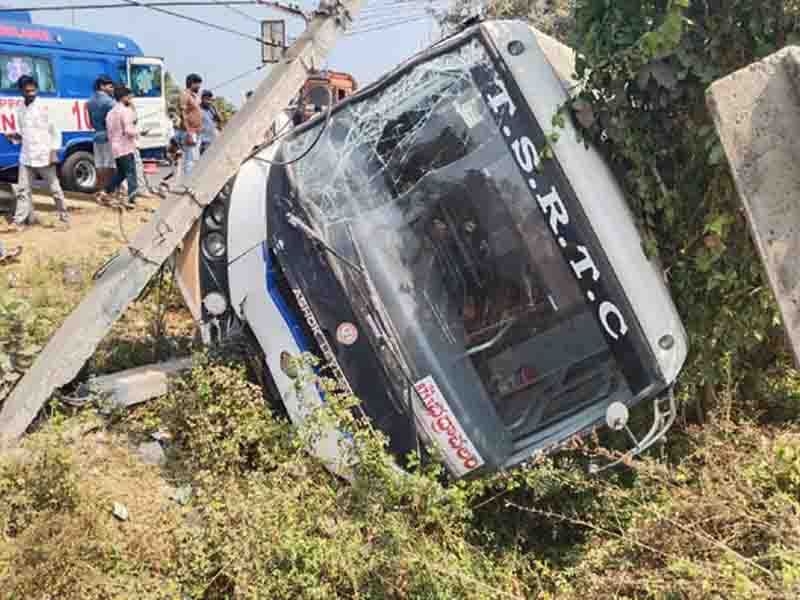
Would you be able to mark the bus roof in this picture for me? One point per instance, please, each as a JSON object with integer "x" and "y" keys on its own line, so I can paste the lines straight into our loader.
{"x": 17, "y": 28}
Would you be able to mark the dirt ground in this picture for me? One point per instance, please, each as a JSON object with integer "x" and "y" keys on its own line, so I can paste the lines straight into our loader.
{"x": 93, "y": 229}
{"x": 55, "y": 269}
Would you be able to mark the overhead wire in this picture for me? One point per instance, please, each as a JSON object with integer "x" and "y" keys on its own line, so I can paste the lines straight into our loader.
{"x": 385, "y": 16}
{"x": 171, "y": 3}
{"x": 201, "y": 22}
{"x": 382, "y": 8}
{"x": 389, "y": 25}
{"x": 426, "y": 8}
{"x": 237, "y": 11}
{"x": 236, "y": 78}
{"x": 388, "y": 19}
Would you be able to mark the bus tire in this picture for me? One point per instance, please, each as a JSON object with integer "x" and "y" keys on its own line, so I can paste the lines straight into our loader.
{"x": 79, "y": 173}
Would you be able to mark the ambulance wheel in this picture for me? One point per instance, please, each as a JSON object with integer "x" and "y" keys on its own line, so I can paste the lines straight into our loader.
{"x": 79, "y": 173}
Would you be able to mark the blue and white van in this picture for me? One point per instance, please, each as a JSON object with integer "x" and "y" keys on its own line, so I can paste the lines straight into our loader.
{"x": 65, "y": 63}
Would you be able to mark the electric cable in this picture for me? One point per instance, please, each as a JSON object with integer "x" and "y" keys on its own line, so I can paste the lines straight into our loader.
{"x": 376, "y": 18}
{"x": 202, "y": 22}
{"x": 396, "y": 7}
{"x": 389, "y": 21}
{"x": 236, "y": 78}
{"x": 173, "y": 3}
{"x": 237, "y": 11}
{"x": 387, "y": 26}
{"x": 306, "y": 152}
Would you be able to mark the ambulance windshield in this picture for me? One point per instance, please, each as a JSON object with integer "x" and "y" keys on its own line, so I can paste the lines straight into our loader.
{"x": 419, "y": 176}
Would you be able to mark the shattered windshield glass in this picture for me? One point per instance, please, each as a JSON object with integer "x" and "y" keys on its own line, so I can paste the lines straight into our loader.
{"x": 418, "y": 175}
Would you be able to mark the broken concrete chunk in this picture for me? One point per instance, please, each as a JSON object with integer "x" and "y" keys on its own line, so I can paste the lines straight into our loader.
{"x": 72, "y": 275}
{"x": 151, "y": 453}
{"x": 183, "y": 495}
{"x": 161, "y": 436}
{"x": 757, "y": 114}
{"x": 120, "y": 511}
{"x": 135, "y": 386}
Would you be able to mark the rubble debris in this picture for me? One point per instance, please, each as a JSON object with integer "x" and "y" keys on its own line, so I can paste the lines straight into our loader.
{"x": 757, "y": 114}
{"x": 9, "y": 254}
{"x": 151, "y": 453}
{"x": 183, "y": 495}
{"x": 120, "y": 511}
{"x": 161, "y": 436}
{"x": 72, "y": 275}
{"x": 134, "y": 386}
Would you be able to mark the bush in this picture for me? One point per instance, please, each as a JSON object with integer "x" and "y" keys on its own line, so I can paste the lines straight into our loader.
{"x": 221, "y": 423}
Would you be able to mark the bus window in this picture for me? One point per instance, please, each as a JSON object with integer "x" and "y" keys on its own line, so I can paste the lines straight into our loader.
{"x": 12, "y": 67}
{"x": 146, "y": 81}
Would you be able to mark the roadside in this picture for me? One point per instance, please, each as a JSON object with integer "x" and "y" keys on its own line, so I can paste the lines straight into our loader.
{"x": 56, "y": 268}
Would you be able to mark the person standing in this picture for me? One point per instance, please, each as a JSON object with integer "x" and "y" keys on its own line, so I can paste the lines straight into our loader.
{"x": 191, "y": 122}
{"x": 121, "y": 126}
{"x": 40, "y": 140}
{"x": 99, "y": 105}
{"x": 211, "y": 121}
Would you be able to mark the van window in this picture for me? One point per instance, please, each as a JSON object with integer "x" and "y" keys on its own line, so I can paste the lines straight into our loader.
{"x": 14, "y": 66}
{"x": 146, "y": 81}
{"x": 76, "y": 75}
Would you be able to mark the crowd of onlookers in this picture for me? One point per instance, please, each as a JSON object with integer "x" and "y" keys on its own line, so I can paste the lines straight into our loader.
{"x": 118, "y": 162}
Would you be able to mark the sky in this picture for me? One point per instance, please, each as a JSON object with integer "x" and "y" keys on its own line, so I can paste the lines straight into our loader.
{"x": 218, "y": 56}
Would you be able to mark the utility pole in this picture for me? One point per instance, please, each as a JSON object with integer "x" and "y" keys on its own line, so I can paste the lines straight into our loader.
{"x": 125, "y": 277}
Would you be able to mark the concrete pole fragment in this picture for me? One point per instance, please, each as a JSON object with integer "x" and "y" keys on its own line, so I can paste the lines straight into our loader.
{"x": 757, "y": 114}
{"x": 134, "y": 386}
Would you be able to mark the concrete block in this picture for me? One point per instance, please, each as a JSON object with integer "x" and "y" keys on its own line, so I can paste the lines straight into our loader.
{"x": 757, "y": 114}
{"x": 135, "y": 386}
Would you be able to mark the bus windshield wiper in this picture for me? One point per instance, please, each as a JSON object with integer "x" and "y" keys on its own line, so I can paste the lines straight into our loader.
{"x": 311, "y": 234}
{"x": 379, "y": 319}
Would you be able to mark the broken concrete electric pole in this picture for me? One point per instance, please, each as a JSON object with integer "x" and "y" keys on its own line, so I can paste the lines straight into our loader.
{"x": 128, "y": 273}
{"x": 757, "y": 114}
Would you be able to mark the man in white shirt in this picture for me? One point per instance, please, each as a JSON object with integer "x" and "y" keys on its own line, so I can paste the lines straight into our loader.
{"x": 40, "y": 140}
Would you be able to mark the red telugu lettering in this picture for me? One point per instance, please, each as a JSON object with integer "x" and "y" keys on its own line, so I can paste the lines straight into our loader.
{"x": 442, "y": 423}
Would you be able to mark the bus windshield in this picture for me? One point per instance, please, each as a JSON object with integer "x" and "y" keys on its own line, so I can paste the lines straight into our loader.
{"x": 418, "y": 176}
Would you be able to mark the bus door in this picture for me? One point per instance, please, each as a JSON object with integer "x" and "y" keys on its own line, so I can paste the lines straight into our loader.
{"x": 146, "y": 78}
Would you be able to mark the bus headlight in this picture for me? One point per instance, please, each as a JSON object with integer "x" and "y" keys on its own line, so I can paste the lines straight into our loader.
{"x": 215, "y": 215}
{"x": 214, "y": 245}
{"x": 215, "y": 304}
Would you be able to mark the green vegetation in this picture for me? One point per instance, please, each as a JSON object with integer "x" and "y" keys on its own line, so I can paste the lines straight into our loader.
{"x": 240, "y": 510}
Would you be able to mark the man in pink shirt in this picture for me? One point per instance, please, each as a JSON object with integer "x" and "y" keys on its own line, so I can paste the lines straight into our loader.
{"x": 122, "y": 134}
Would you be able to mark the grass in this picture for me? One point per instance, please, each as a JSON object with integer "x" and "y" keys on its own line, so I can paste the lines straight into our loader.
{"x": 152, "y": 329}
{"x": 264, "y": 520}
{"x": 240, "y": 510}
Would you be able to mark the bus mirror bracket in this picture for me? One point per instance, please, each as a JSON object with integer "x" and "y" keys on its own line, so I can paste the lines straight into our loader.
{"x": 665, "y": 411}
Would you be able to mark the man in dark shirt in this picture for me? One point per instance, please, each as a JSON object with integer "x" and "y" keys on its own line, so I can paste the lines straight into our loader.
{"x": 99, "y": 105}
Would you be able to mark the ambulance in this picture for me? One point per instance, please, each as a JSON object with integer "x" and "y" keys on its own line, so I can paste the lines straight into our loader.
{"x": 65, "y": 63}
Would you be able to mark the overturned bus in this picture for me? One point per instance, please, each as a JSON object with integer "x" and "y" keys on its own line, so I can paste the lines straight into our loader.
{"x": 472, "y": 295}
